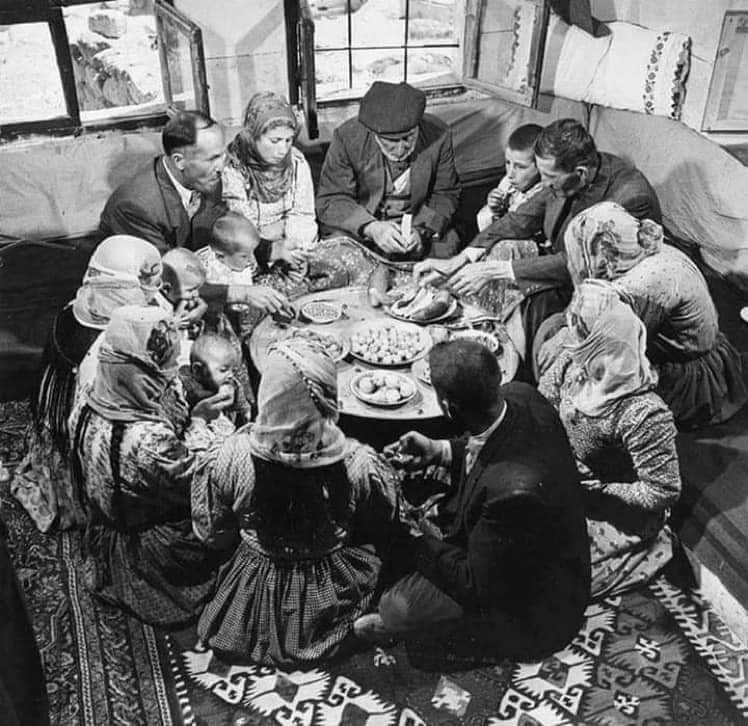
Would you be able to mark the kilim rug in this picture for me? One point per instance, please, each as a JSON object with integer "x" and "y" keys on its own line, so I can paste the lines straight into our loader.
{"x": 655, "y": 656}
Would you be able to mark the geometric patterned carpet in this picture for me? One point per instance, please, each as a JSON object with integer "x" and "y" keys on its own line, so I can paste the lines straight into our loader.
{"x": 655, "y": 656}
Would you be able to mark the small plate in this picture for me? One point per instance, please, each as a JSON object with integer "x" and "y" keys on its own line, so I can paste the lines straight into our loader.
{"x": 744, "y": 313}
{"x": 450, "y": 311}
{"x": 422, "y": 371}
{"x": 321, "y": 311}
{"x": 337, "y": 347}
{"x": 381, "y": 383}
{"x": 389, "y": 344}
{"x": 479, "y": 336}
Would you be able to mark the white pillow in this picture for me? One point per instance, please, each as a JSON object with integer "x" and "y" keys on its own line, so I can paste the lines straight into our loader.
{"x": 644, "y": 70}
{"x": 571, "y": 59}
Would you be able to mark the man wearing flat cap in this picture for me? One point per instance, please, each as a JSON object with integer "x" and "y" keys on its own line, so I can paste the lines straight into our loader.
{"x": 392, "y": 161}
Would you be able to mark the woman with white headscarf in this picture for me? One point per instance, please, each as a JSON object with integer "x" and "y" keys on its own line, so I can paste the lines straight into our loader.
{"x": 122, "y": 270}
{"x": 310, "y": 510}
{"x": 134, "y": 466}
{"x": 622, "y": 434}
{"x": 700, "y": 372}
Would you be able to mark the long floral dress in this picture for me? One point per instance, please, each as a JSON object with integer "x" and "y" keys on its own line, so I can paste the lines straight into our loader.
{"x": 139, "y": 550}
{"x": 629, "y": 466}
{"x": 295, "y": 583}
{"x": 42, "y": 479}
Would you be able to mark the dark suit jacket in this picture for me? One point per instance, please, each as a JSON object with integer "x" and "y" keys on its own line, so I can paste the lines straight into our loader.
{"x": 148, "y": 206}
{"x": 516, "y": 546}
{"x": 615, "y": 181}
{"x": 352, "y": 181}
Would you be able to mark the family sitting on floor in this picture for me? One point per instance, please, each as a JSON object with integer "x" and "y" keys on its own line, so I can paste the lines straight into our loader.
{"x": 248, "y": 509}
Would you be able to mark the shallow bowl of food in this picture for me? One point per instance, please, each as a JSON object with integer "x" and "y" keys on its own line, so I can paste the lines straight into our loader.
{"x": 335, "y": 346}
{"x": 389, "y": 344}
{"x": 321, "y": 312}
{"x": 423, "y": 306}
{"x": 479, "y": 336}
{"x": 383, "y": 388}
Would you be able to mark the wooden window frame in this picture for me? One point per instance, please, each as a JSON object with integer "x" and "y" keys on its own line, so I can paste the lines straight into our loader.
{"x": 471, "y": 50}
{"x": 50, "y": 12}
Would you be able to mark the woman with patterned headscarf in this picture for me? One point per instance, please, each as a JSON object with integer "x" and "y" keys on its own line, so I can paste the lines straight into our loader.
{"x": 700, "y": 372}
{"x": 310, "y": 510}
{"x": 122, "y": 270}
{"x": 134, "y": 466}
{"x": 268, "y": 180}
{"x": 622, "y": 434}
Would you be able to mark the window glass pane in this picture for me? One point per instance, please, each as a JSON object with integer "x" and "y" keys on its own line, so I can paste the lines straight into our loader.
{"x": 377, "y": 65}
{"x": 115, "y": 58}
{"x": 434, "y": 66}
{"x": 435, "y": 21}
{"x": 30, "y": 85}
{"x": 330, "y": 23}
{"x": 377, "y": 23}
{"x": 331, "y": 68}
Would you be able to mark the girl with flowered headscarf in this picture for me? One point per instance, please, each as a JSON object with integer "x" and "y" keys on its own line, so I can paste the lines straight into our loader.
{"x": 700, "y": 372}
{"x": 268, "y": 180}
{"x": 311, "y": 511}
{"x": 622, "y": 434}
{"x": 122, "y": 270}
{"x": 134, "y": 466}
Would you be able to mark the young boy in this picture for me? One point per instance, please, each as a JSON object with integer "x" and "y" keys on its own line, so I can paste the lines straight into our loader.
{"x": 183, "y": 276}
{"x": 230, "y": 258}
{"x": 215, "y": 363}
{"x": 521, "y": 180}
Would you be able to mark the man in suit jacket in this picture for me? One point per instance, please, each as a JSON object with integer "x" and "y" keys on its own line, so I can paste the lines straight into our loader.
{"x": 575, "y": 176}
{"x": 390, "y": 161}
{"x": 507, "y": 572}
{"x": 175, "y": 200}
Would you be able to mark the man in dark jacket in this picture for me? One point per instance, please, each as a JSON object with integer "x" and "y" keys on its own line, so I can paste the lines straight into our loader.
{"x": 507, "y": 571}
{"x": 390, "y": 163}
{"x": 575, "y": 176}
{"x": 175, "y": 200}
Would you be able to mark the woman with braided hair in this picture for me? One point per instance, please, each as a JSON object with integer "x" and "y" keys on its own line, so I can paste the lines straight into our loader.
{"x": 310, "y": 512}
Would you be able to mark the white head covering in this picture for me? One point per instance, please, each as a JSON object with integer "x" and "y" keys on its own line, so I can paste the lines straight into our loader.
{"x": 123, "y": 270}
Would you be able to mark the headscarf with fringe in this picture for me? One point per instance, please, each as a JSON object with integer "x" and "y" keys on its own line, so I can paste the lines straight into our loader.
{"x": 608, "y": 345}
{"x": 605, "y": 241}
{"x": 298, "y": 408}
{"x": 137, "y": 361}
{"x": 265, "y": 182}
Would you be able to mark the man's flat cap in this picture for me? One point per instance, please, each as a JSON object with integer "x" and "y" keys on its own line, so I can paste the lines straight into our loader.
{"x": 391, "y": 108}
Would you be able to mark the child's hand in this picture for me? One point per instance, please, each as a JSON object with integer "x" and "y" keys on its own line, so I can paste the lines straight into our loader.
{"x": 189, "y": 311}
{"x": 496, "y": 201}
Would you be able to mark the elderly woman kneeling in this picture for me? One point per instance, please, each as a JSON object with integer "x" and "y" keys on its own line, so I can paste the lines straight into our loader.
{"x": 622, "y": 434}
{"x": 134, "y": 465}
{"x": 311, "y": 511}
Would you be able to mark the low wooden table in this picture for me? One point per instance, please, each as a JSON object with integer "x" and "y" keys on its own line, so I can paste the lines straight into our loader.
{"x": 421, "y": 409}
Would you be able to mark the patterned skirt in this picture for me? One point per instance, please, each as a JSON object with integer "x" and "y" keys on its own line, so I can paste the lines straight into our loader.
{"x": 621, "y": 561}
{"x": 42, "y": 481}
{"x": 284, "y": 611}
{"x": 163, "y": 575}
